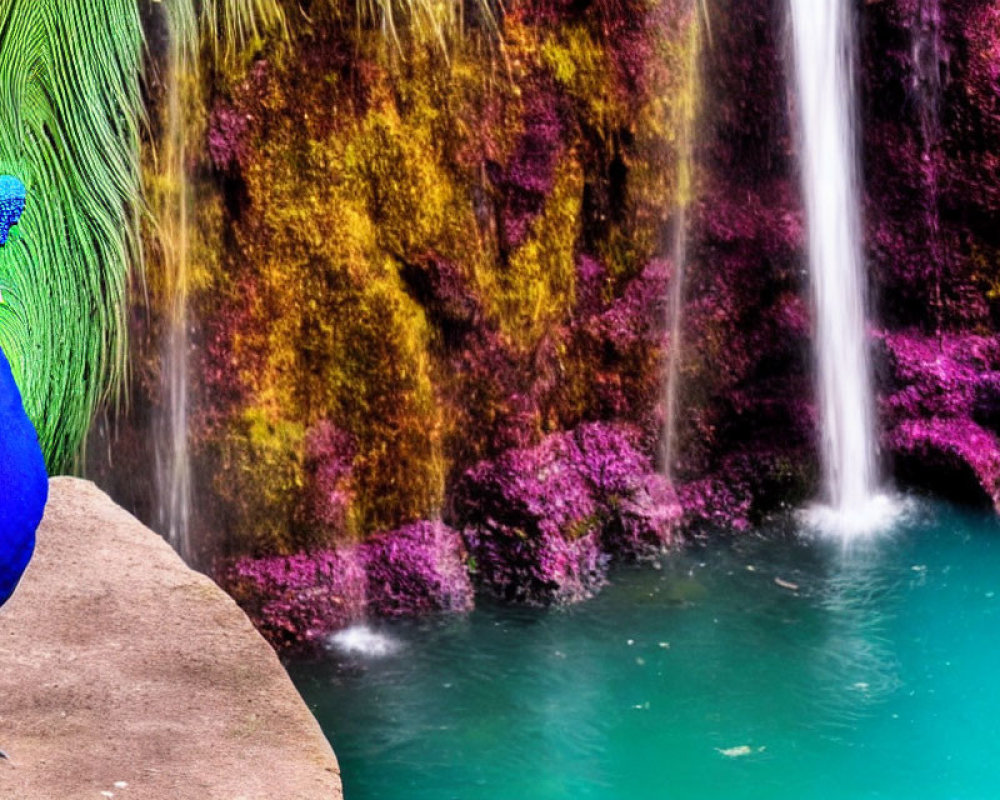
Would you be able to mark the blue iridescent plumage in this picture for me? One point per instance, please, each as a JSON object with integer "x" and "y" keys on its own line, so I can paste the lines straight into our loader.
{"x": 24, "y": 484}
{"x": 12, "y": 198}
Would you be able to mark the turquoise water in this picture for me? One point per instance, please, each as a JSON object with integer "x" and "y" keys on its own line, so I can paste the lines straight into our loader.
{"x": 878, "y": 678}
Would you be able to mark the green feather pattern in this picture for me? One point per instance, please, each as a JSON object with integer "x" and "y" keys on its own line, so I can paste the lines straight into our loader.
{"x": 70, "y": 118}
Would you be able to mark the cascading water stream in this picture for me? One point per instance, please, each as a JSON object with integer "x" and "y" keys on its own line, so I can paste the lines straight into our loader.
{"x": 686, "y": 118}
{"x": 675, "y": 313}
{"x": 824, "y": 51}
{"x": 173, "y": 469}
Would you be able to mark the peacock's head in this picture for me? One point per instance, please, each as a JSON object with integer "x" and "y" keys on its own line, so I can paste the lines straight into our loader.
{"x": 12, "y": 198}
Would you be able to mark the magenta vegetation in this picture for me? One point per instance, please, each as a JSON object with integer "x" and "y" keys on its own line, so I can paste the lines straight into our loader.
{"x": 940, "y": 412}
{"x": 542, "y": 523}
{"x": 418, "y": 569}
{"x": 295, "y": 601}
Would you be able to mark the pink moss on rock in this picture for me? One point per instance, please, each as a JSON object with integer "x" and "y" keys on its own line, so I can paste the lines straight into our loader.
{"x": 939, "y": 411}
{"x": 417, "y": 569}
{"x": 931, "y": 125}
{"x": 296, "y": 601}
{"x": 445, "y": 294}
{"x": 637, "y": 317}
{"x": 329, "y": 459}
{"x": 542, "y": 523}
{"x": 619, "y": 339}
{"x": 542, "y": 569}
{"x": 227, "y": 133}
{"x": 715, "y": 504}
{"x": 524, "y": 183}
{"x": 954, "y": 458}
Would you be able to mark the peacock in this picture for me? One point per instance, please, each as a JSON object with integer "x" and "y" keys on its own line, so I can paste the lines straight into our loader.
{"x": 70, "y": 211}
{"x": 24, "y": 482}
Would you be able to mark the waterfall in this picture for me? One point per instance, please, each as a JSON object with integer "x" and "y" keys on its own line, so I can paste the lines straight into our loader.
{"x": 824, "y": 52}
{"x": 173, "y": 467}
{"x": 675, "y": 312}
{"x": 686, "y": 115}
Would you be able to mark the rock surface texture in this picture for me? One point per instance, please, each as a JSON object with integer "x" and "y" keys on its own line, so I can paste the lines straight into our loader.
{"x": 125, "y": 674}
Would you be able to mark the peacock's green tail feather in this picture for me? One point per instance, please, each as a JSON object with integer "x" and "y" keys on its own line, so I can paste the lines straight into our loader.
{"x": 70, "y": 117}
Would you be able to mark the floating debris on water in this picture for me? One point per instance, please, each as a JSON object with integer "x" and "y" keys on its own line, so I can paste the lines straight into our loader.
{"x": 740, "y": 751}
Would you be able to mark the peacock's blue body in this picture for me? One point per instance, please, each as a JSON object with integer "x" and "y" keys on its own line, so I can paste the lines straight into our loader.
{"x": 24, "y": 484}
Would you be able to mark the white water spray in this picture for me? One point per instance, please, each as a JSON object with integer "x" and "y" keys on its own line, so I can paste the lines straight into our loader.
{"x": 360, "y": 640}
{"x": 824, "y": 50}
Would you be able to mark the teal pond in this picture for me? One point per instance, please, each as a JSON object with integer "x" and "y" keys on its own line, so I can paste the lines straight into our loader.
{"x": 776, "y": 665}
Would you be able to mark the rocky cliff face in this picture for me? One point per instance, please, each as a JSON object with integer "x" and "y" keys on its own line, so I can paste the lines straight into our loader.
{"x": 433, "y": 282}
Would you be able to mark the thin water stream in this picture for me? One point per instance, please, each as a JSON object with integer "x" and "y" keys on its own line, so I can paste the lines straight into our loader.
{"x": 929, "y": 53}
{"x": 173, "y": 467}
{"x": 687, "y": 113}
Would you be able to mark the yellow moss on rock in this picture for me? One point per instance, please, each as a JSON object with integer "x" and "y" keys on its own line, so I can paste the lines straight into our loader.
{"x": 331, "y": 218}
{"x": 388, "y": 171}
{"x": 537, "y": 288}
{"x": 260, "y": 477}
{"x": 660, "y": 161}
{"x": 582, "y": 66}
{"x": 410, "y": 197}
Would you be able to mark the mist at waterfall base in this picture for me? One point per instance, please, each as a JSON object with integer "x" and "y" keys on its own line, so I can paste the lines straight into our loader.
{"x": 703, "y": 679}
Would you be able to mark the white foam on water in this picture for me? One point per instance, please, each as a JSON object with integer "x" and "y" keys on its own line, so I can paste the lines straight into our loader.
{"x": 879, "y": 516}
{"x": 360, "y": 640}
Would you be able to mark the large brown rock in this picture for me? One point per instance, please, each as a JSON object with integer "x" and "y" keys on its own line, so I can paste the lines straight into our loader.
{"x": 123, "y": 673}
